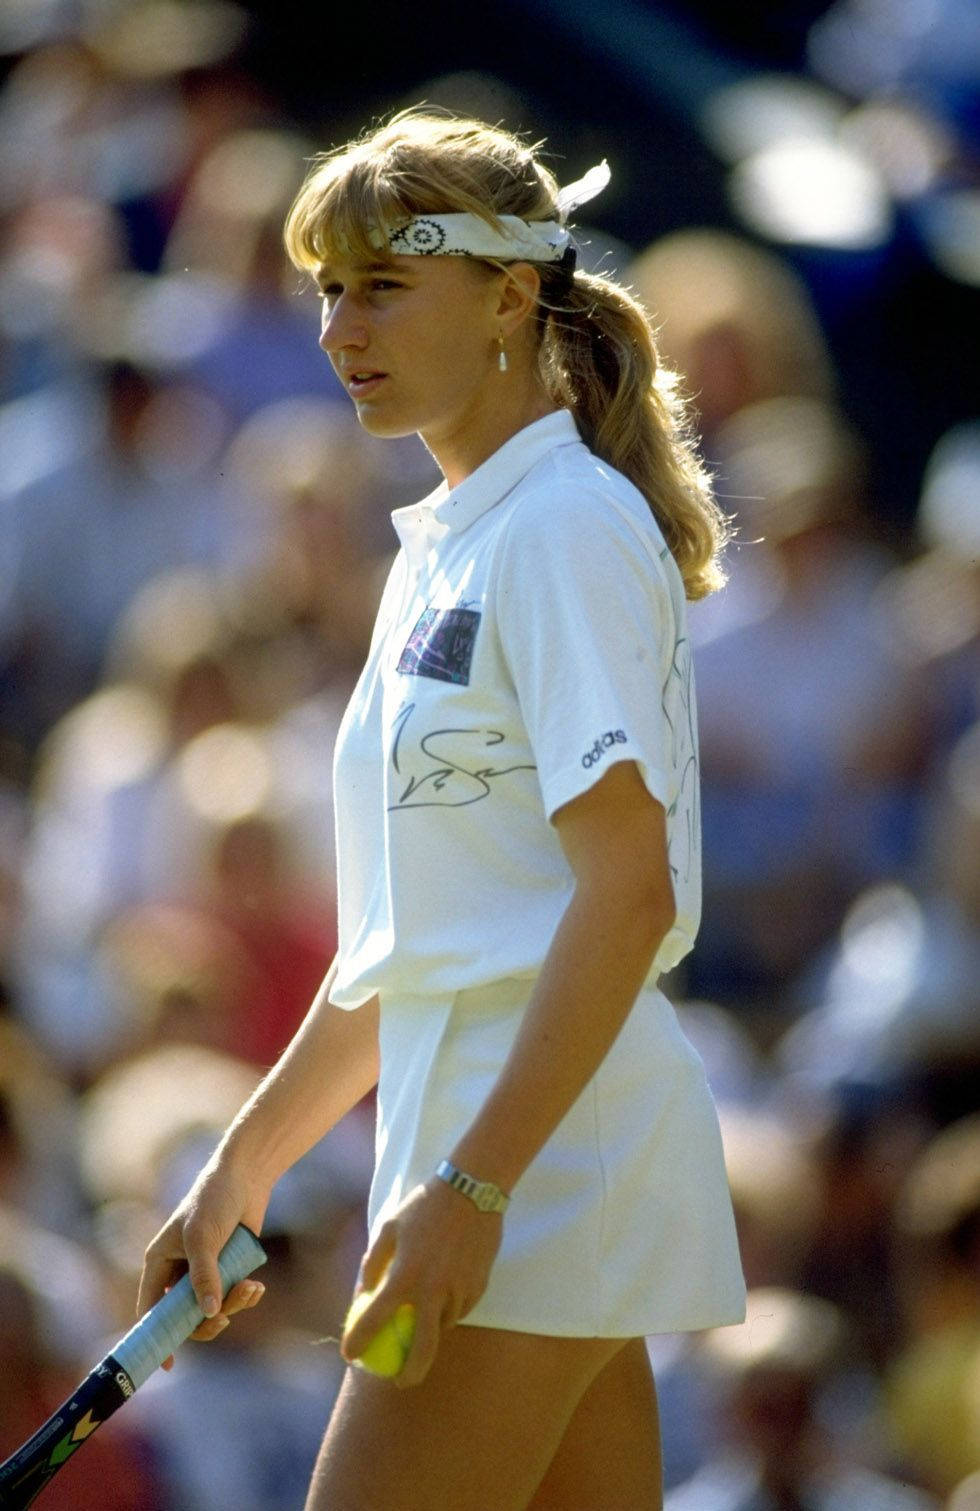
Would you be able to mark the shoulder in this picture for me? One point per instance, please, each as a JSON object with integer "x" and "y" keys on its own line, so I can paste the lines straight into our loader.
{"x": 573, "y": 506}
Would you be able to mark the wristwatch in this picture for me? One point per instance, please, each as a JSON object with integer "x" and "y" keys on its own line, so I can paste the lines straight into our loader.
{"x": 482, "y": 1193}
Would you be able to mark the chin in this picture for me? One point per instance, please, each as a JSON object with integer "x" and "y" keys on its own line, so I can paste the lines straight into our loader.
{"x": 386, "y": 427}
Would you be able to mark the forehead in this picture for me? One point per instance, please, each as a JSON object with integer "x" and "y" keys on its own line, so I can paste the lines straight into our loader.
{"x": 347, "y": 265}
{"x": 430, "y": 268}
{"x": 357, "y": 265}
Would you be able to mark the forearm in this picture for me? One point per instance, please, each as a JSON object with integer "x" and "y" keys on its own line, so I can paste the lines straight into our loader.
{"x": 598, "y": 960}
{"x": 329, "y": 1065}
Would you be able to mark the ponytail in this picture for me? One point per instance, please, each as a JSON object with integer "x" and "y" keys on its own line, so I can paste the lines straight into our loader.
{"x": 599, "y": 358}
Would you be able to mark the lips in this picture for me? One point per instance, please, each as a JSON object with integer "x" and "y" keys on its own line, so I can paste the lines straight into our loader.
{"x": 359, "y": 383}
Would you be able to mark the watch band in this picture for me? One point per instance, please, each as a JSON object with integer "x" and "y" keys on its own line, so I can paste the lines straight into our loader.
{"x": 482, "y": 1193}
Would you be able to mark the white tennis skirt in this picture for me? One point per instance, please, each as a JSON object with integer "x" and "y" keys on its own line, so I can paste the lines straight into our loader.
{"x": 622, "y": 1225}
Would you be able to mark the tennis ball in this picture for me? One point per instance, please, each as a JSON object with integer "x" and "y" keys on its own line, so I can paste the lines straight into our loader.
{"x": 388, "y": 1349}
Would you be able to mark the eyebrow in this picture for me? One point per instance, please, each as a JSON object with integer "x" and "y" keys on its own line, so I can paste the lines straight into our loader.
{"x": 325, "y": 271}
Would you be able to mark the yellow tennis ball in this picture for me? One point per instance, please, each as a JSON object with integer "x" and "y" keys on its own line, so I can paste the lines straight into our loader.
{"x": 388, "y": 1349}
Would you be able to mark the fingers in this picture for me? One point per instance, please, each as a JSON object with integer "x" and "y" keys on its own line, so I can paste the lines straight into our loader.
{"x": 174, "y": 1252}
{"x": 378, "y": 1258}
{"x": 425, "y": 1345}
{"x": 160, "y": 1272}
{"x": 361, "y": 1324}
{"x": 203, "y": 1243}
{"x": 209, "y": 1329}
{"x": 241, "y": 1298}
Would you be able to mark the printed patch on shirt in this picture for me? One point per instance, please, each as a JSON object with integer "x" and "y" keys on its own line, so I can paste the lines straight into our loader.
{"x": 441, "y": 645}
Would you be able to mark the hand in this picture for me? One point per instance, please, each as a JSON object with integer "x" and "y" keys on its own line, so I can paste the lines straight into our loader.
{"x": 436, "y": 1251}
{"x": 191, "y": 1241}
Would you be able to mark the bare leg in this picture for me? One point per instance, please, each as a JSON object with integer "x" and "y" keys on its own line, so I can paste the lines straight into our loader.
{"x": 609, "y": 1458}
{"x": 477, "y": 1435}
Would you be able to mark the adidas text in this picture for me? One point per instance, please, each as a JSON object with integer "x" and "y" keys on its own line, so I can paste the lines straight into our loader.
{"x": 601, "y": 745}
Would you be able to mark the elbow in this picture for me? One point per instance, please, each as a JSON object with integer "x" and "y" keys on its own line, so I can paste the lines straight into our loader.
{"x": 640, "y": 910}
{"x": 648, "y": 895}
{"x": 649, "y": 899}
{"x": 646, "y": 920}
{"x": 669, "y": 913}
{"x": 660, "y": 913}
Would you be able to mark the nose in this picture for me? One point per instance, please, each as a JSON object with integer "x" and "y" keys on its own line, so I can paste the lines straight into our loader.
{"x": 340, "y": 327}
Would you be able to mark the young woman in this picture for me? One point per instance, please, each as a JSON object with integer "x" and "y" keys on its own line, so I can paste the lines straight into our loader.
{"x": 518, "y": 842}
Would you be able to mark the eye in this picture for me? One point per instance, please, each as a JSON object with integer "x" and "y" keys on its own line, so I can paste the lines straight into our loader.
{"x": 382, "y": 284}
{"x": 330, "y": 290}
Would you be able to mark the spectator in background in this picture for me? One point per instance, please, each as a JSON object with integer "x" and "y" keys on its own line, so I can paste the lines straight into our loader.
{"x": 95, "y": 531}
{"x": 776, "y": 1192}
{"x": 928, "y": 609}
{"x": 321, "y": 491}
{"x": 735, "y": 321}
{"x": 229, "y": 691}
{"x": 782, "y": 1453}
{"x": 933, "y": 1384}
{"x": 889, "y": 1045}
{"x": 38, "y": 1174}
{"x": 226, "y": 243}
{"x": 286, "y": 929}
{"x": 59, "y": 254}
{"x": 127, "y": 822}
{"x": 812, "y": 773}
{"x": 98, "y": 786}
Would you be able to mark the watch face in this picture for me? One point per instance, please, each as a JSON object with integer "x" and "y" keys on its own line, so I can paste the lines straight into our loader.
{"x": 485, "y": 1196}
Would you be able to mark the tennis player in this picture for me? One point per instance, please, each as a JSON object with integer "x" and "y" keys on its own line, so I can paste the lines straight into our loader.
{"x": 518, "y": 849}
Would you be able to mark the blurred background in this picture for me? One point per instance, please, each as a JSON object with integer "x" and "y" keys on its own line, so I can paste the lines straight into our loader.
{"x": 193, "y": 533}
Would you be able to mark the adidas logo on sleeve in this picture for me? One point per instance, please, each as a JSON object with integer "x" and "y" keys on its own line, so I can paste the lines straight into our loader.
{"x": 597, "y": 750}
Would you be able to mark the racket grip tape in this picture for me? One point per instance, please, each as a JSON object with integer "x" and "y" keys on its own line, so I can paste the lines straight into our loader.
{"x": 171, "y": 1321}
{"x": 157, "y": 1334}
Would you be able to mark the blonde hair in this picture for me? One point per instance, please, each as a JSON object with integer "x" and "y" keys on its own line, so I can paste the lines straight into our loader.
{"x": 597, "y": 353}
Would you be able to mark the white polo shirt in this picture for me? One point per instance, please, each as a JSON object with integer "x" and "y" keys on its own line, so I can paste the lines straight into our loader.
{"x": 531, "y": 633}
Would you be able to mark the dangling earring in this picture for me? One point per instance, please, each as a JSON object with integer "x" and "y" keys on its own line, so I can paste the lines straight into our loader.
{"x": 501, "y": 356}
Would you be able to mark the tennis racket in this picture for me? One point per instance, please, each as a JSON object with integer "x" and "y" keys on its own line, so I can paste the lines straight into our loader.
{"x": 156, "y": 1335}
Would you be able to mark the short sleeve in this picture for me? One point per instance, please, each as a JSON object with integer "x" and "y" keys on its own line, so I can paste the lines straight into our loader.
{"x": 587, "y": 626}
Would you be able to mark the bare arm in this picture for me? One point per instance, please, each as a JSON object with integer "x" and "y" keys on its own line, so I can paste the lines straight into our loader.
{"x": 329, "y": 1065}
{"x": 438, "y": 1249}
{"x": 615, "y": 840}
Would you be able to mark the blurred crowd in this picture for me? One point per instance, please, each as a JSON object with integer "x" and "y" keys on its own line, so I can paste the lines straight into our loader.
{"x": 193, "y": 534}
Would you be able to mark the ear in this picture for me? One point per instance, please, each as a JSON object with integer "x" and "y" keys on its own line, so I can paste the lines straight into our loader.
{"x": 519, "y": 294}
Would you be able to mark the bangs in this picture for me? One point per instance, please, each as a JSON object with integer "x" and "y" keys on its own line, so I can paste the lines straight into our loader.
{"x": 353, "y": 195}
{"x": 339, "y": 208}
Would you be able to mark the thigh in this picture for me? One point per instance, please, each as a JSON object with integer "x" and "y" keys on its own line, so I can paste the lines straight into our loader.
{"x": 478, "y": 1434}
{"x": 609, "y": 1455}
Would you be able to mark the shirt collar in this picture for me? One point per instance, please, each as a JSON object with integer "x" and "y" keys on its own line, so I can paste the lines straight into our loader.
{"x": 456, "y": 509}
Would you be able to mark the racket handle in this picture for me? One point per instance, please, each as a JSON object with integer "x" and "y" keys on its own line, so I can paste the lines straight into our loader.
{"x": 171, "y": 1321}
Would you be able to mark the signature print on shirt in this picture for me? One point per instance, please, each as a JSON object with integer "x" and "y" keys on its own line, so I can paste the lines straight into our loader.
{"x": 441, "y": 645}
{"x": 445, "y": 782}
{"x": 677, "y": 703}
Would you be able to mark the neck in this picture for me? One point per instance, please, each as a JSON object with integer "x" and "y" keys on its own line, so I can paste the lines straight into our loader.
{"x": 506, "y": 405}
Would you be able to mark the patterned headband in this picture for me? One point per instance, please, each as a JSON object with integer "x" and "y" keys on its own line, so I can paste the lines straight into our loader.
{"x": 516, "y": 240}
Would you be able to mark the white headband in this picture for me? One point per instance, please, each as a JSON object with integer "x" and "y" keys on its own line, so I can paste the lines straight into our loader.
{"x": 517, "y": 240}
